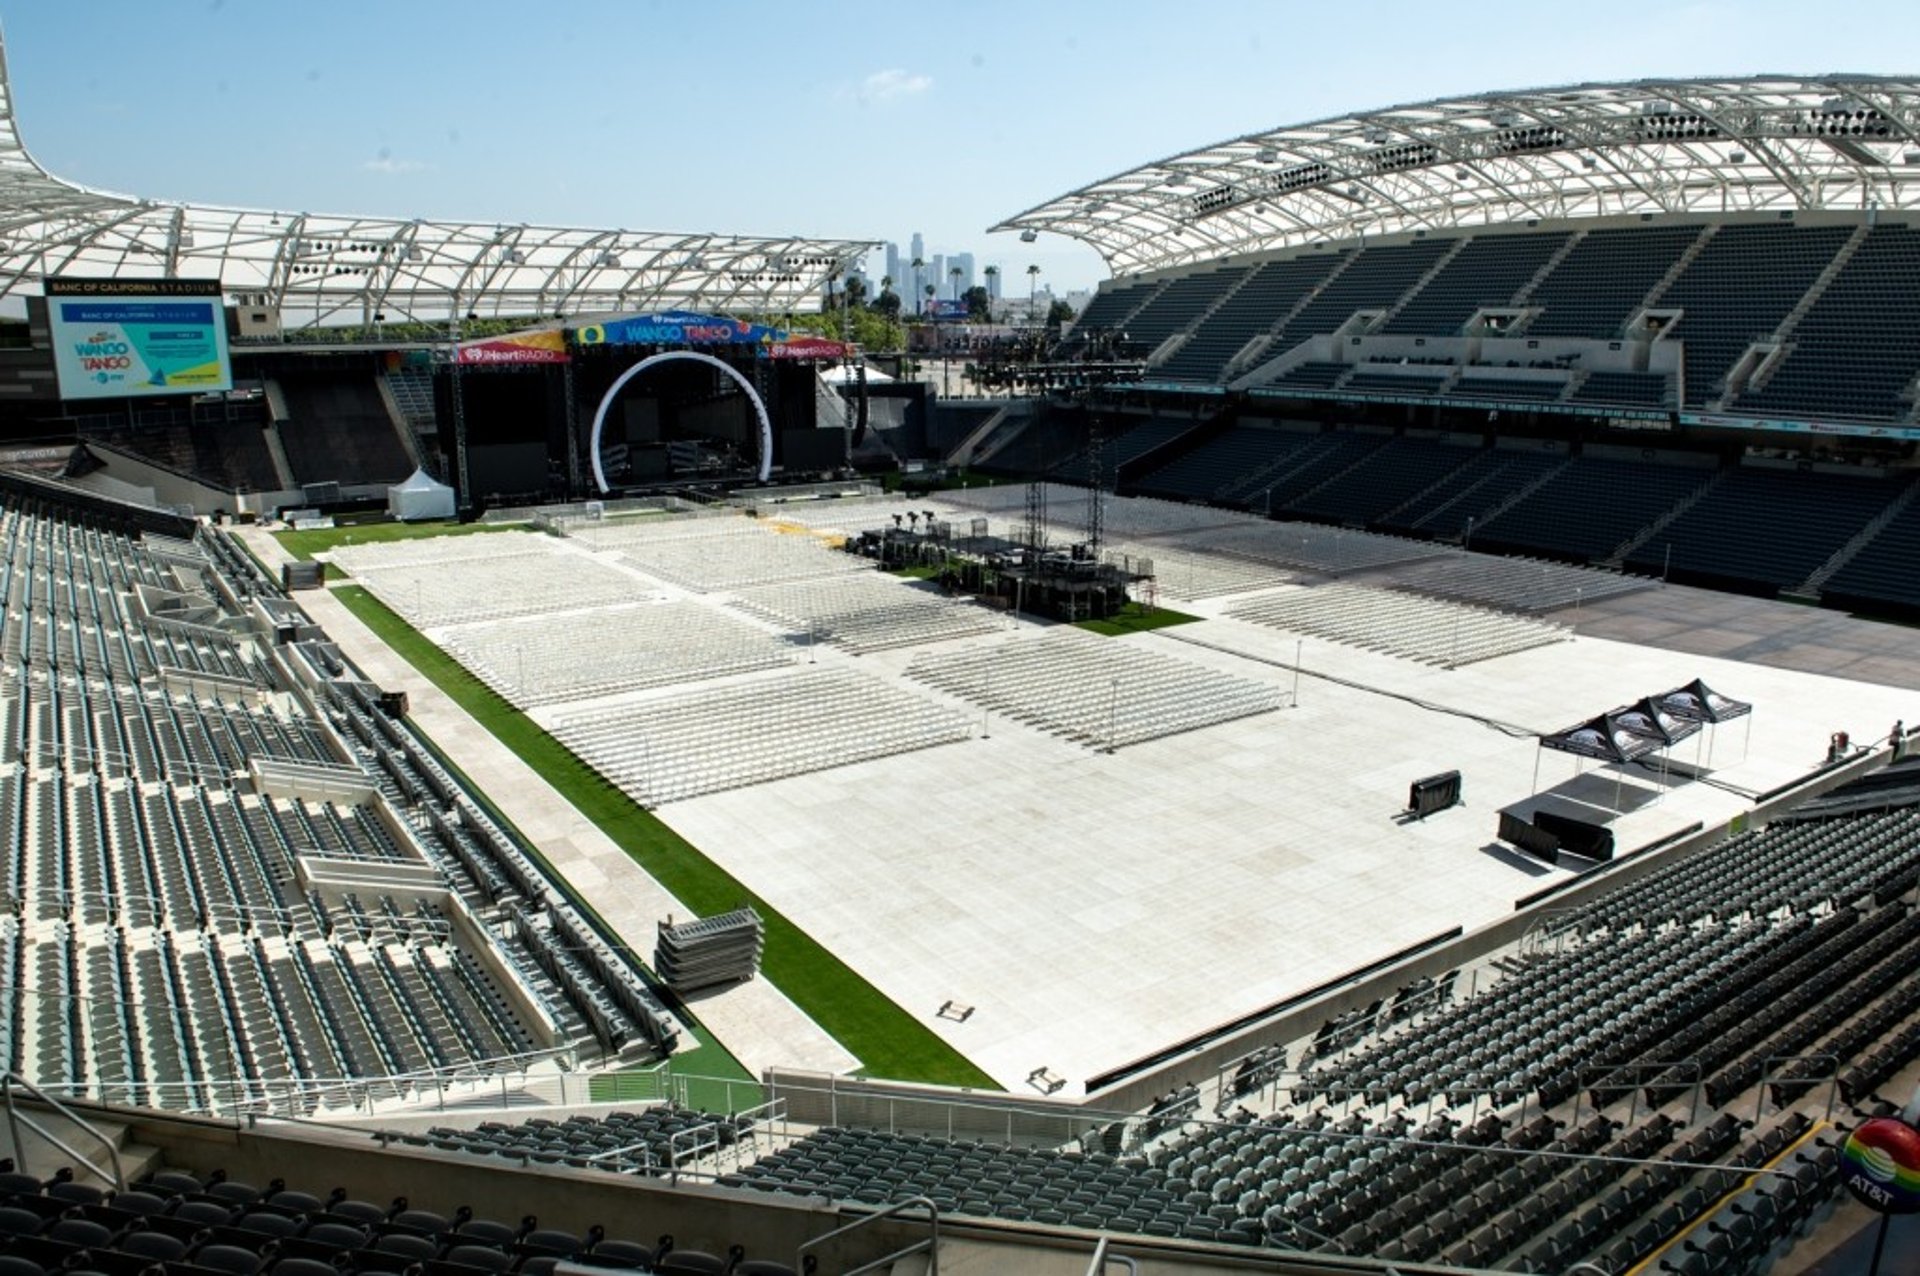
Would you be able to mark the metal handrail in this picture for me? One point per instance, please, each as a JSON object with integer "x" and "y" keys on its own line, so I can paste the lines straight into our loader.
{"x": 1100, "y": 1260}
{"x": 15, "y": 1119}
{"x": 930, "y": 1246}
{"x": 1597, "y": 1077}
{"x": 1831, "y": 1078}
{"x": 255, "y": 1093}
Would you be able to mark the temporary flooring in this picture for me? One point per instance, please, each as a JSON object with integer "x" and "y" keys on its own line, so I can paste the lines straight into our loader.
{"x": 1091, "y": 907}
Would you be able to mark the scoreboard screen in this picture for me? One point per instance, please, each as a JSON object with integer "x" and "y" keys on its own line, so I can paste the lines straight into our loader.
{"x": 113, "y": 338}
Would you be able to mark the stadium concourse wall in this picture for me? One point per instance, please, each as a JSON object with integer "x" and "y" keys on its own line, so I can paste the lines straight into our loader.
{"x": 1133, "y": 1087}
{"x": 316, "y": 1158}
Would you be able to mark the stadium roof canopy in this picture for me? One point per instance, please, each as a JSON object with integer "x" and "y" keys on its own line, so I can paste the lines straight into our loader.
{"x": 1655, "y": 146}
{"x": 330, "y": 269}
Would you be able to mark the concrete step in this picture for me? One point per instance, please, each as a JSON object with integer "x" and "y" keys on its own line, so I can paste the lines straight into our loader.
{"x": 39, "y": 1155}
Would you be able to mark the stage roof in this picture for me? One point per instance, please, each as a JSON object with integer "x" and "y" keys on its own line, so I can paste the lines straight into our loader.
{"x": 1772, "y": 142}
{"x": 334, "y": 269}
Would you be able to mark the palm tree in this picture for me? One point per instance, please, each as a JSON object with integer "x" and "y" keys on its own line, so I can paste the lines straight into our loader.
{"x": 993, "y": 274}
{"x": 918, "y": 262}
{"x": 954, "y": 273}
{"x": 1033, "y": 278}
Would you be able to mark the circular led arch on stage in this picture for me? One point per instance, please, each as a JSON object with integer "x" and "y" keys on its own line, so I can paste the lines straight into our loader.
{"x": 619, "y": 383}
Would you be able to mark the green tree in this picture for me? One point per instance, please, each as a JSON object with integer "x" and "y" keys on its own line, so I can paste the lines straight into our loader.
{"x": 873, "y": 331}
{"x": 979, "y": 304}
{"x": 1058, "y": 313}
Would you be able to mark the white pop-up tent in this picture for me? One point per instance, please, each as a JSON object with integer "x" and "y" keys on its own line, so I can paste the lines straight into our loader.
{"x": 419, "y": 496}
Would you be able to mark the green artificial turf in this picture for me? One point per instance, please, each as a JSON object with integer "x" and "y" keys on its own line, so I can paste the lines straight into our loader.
{"x": 888, "y": 1041}
{"x": 307, "y": 544}
{"x": 1137, "y": 618}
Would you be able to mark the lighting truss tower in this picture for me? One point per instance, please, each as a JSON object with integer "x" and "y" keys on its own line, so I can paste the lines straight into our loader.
{"x": 1096, "y": 489}
{"x": 1037, "y": 515}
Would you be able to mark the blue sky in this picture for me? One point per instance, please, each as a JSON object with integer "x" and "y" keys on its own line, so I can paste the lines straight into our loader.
{"x": 824, "y": 118}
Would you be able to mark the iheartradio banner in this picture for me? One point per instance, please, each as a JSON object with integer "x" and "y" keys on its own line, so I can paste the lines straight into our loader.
{"x": 809, "y": 348}
{"x": 546, "y": 346}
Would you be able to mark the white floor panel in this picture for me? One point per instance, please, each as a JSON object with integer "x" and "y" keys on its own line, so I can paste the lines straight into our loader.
{"x": 1097, "y": 907}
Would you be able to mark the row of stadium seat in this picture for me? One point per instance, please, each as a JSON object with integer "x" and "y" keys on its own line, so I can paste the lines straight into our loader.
{"x": 1751, "y": 960}
{"x": 1688, "y": 521}
{"x": 175, "y": 1222}
{"x": 1851, "y": 355}
{"x": 146, "y": 868}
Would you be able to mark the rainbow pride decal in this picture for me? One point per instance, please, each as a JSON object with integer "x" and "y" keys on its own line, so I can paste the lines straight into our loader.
{"x": 1880, "y": 1164}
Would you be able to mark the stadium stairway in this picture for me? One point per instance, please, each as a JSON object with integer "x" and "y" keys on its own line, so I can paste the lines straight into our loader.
{"x": 276, "y": 415}
{"x": 1170, "y": 348}
{"x": 1820, "y": 285}
{"x": 1509, "y": 499}
{"x": 1681, "y": 265}
{"x": 964, "y": 452}
{"x": 402, "y": 425}
{"x": 41, "y": 1148}
{"x": 1547, "y": 267}
{"x": 1660, "y": 524}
